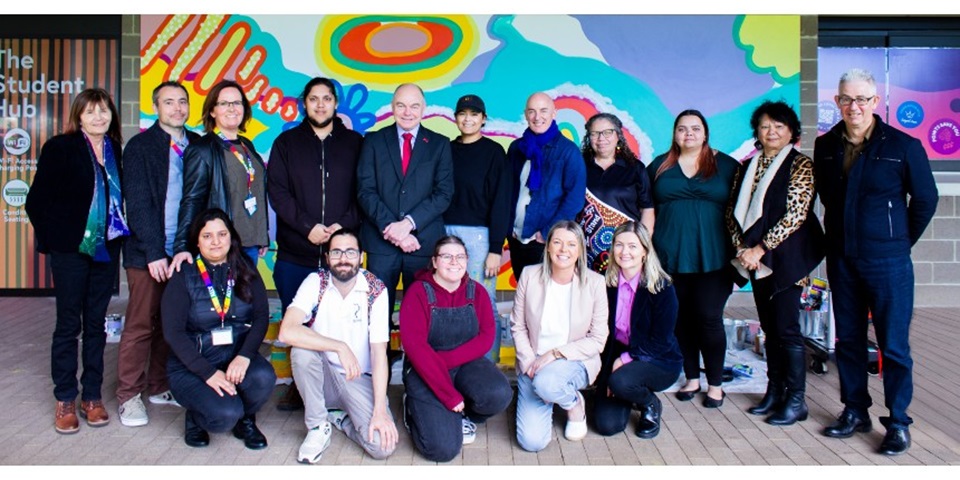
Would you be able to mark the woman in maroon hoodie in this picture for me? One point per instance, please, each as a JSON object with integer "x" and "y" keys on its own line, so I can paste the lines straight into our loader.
{"x": 446, "y": 328}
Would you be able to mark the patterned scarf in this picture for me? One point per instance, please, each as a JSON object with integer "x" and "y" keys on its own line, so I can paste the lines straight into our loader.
{"x": 531, "y": 144}
{"x": 101, "y": 225}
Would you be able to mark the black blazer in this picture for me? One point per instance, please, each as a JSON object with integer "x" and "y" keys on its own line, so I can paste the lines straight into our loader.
{"x": 653, "y": 319}
{"x": 386, "y": 195}
{"x": 147, "y": 158}
{"x": 58, "y": 202}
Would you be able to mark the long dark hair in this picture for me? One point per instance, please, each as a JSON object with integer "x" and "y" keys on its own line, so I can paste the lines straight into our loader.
{"x": 623, "y": 150}
{"x": 238, "y": 262}
{"x": 706, "y": 162}
{"x": 95, "y": 96}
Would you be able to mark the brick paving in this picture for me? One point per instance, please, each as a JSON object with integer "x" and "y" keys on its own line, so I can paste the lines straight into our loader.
{"x": 691, "y": 435}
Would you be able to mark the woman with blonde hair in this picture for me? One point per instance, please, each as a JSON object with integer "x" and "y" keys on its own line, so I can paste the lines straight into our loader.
{"x": 559, "y": 326}
{"x": 641, "y": 356}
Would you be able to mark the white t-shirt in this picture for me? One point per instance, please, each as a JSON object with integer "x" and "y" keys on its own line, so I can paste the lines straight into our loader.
{"x": 522, "y": 201}
{"x": 345, "y": 318}
{"x": 555, "y": 322}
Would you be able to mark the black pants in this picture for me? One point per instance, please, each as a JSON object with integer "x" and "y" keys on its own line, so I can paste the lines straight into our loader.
{"x": 635, "y": 383}
{"x": 437, "y": 431}
{"x": 779, "y": 314}
{"x": 523, "y": 255}
{"x": 83, "y": 289}
{"x": 699, "y": 331}
{"x": 389, "y": 268}
{"x": 212, "y": 412}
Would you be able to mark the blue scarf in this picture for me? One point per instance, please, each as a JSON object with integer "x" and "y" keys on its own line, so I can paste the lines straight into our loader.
{"x": 531, "y": 144}
{"x": 103, "y": 226}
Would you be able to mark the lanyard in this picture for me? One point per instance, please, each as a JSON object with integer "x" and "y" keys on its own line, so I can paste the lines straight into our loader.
{"x": 176, "y": 148}
{"x": 244, "y": 160}
{"x": 221, "y": 311}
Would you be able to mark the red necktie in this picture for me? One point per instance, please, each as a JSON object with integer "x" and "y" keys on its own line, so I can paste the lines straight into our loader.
{"x": 407, "y": 150}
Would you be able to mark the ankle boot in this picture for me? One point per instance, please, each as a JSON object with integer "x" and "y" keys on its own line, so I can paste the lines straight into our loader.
{"x": 193, "y": 435}
{"x": 246, "y": 430}
{"x": 773, "y": 399}
{"x": 649, "y": 424}
{"x": 794, "y": 407}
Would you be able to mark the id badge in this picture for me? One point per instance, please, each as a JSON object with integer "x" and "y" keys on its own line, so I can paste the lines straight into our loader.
{"x": 251, "y": 205}
{"x": 222, "y": 336}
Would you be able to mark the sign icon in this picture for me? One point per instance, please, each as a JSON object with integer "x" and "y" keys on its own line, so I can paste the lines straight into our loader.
{"x": 16, "y": 141}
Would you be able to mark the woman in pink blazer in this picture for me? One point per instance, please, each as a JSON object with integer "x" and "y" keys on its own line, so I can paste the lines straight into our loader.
{"x": 559, "y": 326}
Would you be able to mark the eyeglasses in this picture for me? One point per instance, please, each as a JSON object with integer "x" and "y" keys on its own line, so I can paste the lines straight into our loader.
{"x": 234, "y": 104}
{"x": 845, "y": 101}
{"x": 605, "y": 133}
{"x": 350, "y": 253}
{"x": 446, "y": 257}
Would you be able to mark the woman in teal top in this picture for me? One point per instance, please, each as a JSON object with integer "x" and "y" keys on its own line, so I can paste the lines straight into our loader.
{"x": 691, "y": 189}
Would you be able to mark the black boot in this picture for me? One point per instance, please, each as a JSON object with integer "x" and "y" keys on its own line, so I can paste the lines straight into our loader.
{"x": 246, "y": 430}
{"x": 794, "y": 406}
{"x": 649, "y": 424}
{"x": 773, "y": 399}
{"x": 193, "y": 435}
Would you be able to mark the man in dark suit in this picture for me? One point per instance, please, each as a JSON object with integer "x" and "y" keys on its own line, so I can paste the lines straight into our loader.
{"x": 405, "y": 183}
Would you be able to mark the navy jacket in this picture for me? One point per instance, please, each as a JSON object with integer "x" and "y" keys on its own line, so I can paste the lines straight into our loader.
{"x": 563, "y": 187}
{"x": 653, "y": 319}
{"x": 386, "y": 195}
{"x": 147, "y": 158}
{"x": 867, "y": 213}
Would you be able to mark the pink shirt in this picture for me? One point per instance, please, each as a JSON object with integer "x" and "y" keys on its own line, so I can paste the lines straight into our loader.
{"x": 626, "y": 290}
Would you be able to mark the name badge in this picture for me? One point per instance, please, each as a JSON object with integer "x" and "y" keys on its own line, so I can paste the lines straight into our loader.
{"x": 222, "y": 336}
{"x": 250, "y": 204}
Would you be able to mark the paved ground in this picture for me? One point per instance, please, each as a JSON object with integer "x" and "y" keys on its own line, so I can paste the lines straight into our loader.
{"x": 691, "y": 435}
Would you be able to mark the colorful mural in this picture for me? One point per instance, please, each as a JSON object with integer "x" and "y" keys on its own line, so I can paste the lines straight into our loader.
{"x": 644, "y": 69}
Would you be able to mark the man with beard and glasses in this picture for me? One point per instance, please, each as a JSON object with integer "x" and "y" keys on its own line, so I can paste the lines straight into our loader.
{"x": 312, "y": 186}
{"x": 339, "y": 355}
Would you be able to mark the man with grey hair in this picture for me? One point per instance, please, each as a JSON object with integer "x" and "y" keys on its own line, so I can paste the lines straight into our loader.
{"x": 866, "y": 172}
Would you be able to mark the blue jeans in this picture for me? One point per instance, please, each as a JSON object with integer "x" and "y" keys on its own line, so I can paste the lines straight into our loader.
{"x": 287, "y": 277}
{"x": 558, "y": 382}
{"x": 884, "y": 286}
{"x": 477, "y": 241}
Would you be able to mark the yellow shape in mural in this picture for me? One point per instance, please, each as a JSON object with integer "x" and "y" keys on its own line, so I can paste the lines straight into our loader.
{"x": 772, "y": 44}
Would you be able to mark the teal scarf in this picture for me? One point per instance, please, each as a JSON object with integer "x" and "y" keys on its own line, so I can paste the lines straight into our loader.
{"x": 103, "y": 225}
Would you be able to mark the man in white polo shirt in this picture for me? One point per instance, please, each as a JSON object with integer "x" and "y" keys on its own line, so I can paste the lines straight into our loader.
{"x": 338, "y": 327}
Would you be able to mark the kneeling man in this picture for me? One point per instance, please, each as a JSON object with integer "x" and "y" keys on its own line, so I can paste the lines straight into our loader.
{"x": 338, "y": 327}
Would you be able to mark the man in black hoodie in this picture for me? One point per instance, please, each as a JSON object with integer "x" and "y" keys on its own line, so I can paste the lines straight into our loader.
{"x": 312, "y": 186}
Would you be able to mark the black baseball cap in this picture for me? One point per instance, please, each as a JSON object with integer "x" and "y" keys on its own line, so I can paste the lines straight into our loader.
{"x": 472, "y": 102}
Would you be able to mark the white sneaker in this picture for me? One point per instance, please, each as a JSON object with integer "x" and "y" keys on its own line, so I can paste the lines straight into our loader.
{"x": 469, "y": 431}
{"x": 576, "y": 430}
{"x": 316, "y": 442}
{"x": 336, "y": 418}
{"x": 165, "y": 398}
{"x": 133, "y": 413}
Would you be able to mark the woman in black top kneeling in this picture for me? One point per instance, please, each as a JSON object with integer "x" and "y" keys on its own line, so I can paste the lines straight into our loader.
{"x": 215, "y": 315}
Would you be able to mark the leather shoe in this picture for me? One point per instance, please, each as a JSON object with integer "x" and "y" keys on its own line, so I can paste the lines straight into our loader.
{"x": 291, "y": 400}
{"x": 895, "y": 442}
{"x": 848, "y": 423}
{"x": 711, "y": 403}
{"x": 649, "y": 424}
{"x": 94, "y": 412}
{"x": 246, "y": 430}
{"x": 193, "y": 435}
{"x": 65, "y": 421}
{"x": 687, "y": 395}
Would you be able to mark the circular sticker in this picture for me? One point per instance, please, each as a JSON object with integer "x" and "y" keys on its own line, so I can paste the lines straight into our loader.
{"x": 16, "y": 141}
{"x": 945, "y": 136}
{"x": 15, "y": 192}
{"x": 910, "y": 114}
{"x": 828, "y": 115}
